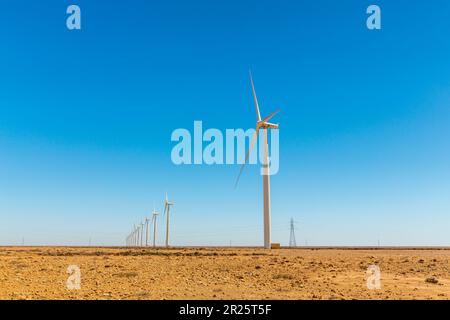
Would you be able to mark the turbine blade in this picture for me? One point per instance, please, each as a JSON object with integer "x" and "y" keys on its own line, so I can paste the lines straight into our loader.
{"x": 270, "y": 115}
{"x": 252, "y": 143}
{"x": 255, "y": 99}
{"x": 269, "y": 125}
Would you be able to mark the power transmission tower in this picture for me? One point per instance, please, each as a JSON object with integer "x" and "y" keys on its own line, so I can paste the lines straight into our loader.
{"x": 292, "y": 242}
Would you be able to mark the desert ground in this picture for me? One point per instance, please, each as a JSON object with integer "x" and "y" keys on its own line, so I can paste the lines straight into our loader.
{"x": 223, "y": 273}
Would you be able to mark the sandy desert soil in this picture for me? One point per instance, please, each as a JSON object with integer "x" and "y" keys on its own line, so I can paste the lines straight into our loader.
{"x": 219, "y": 273}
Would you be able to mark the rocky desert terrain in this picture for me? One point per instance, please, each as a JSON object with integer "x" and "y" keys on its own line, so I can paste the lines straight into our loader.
{"x": 222, "y": 273}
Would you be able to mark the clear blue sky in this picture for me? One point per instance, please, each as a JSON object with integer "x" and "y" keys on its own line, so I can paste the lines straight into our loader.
{"x": 86, "y": 118}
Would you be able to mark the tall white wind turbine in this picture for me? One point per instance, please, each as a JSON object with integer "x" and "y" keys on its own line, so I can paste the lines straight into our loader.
{"x": 154, "y": 217}
{"x": 167, "y": 205}
{"x": 262, "y": 125}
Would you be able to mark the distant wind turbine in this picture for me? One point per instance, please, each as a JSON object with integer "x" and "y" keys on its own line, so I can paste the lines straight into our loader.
{"x": 154, "y": 217}
{"x": 130, "y": 240}
{"x": 146, "y": 230}
{"x": 264, "y": 125}
{"x": 167, "y": 205}
{"x": 142, "y": 233}
{"x": 136, "y": 238}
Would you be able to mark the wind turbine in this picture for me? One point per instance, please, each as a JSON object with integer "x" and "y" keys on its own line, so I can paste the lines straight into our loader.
{"x": 142, "y": 233}
{"x": 167, "y": 205}
{"x": 262, "y": 125}
{"x": 137, "y": 235}
{"x": 154, "y": 216}
{"x": 146, "y": 230}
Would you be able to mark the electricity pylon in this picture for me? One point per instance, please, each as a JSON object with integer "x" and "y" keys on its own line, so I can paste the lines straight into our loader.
{"x": 292, "y": 242}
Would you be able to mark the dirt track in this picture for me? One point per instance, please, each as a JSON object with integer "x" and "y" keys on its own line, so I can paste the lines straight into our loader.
{"x": 208, "y": 273}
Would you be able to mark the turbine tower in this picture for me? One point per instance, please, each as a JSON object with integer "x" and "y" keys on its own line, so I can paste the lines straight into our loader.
{"x": 138, "y": 234}
{"x": 154, "y": 216}
{"x": 292, "y": 242}
{"x": 167, "y": 205}
{"x": 146, "y": 231}
{"x": 264, "y": 125}
{"x": 142, "y": 233}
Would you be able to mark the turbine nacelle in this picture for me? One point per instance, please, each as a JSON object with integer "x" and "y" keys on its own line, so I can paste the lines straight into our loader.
{"x": 266, "y": 125}
{"x": 167, "y": 202}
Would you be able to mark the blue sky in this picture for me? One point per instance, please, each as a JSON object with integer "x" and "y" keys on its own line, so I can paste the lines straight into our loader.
{"x": 86, "y": 118}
